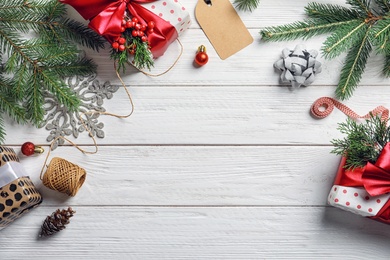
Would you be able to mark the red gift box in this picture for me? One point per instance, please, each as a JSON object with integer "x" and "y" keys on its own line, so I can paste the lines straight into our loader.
{"x": 106, "y": 16}
{"x": 364, "y": 190}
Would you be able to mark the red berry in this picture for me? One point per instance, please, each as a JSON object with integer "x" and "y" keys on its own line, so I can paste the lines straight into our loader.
{"x": 134, "y": 33}
{"x": 129, "y": 24}
{"x": 141, "y": 33}
{"x": 115, "y": 45}
{"x": 143, "y": 27}
{"x": 150, "y": 31}
{"x": 134, "y": 19}
{"x": 123, "y": 29}
{"x": 124, "y": 22}
{"x": 132, "y": 51}
{"x": 122, "y": 47}
{"x": 122, "y": 41}
{"x": 137, "y": 26}
{"x": 144, "y": 38}
{"x": 151, "y": 24}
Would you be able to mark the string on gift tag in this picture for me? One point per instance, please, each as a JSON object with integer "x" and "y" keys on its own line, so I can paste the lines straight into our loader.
{"x": 167, "y": 70}
{"x": 64, "y": 176}
{"x": 324, "y": 106}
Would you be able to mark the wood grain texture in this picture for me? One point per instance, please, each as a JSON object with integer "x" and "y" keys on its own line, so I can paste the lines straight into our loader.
{"x": 217, "y": 162}
{"x": 186, "y": 175}
{"x": 201, "y": 233}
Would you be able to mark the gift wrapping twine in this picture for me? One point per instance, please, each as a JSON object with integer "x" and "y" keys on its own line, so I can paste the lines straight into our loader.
{"x": 62, "y": 175}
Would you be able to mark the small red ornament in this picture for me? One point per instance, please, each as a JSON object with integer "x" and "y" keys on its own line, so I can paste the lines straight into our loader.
{"x": 28, "y": 148}
{"x": 201, "y": 57}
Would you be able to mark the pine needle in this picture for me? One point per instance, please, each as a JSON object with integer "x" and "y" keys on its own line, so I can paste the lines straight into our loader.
{"x": 41, "y": 62}
{"x": 246, "y": 5}
{"x": 355, "y": 30}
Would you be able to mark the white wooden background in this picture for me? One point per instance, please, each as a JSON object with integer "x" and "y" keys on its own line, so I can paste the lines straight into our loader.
{"x": 218, "y": 162}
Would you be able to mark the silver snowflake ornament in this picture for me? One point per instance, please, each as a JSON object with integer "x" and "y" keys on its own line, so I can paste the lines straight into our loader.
{"x": 62, "y": 122}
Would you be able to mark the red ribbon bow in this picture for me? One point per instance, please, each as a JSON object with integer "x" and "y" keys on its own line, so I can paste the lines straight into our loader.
{"x": 106, "y": 17}
{"x": 375, "y": 178}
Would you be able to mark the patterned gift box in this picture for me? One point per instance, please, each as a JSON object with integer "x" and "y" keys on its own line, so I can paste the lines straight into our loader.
{"x": 173, "y": 12}
{"x": 366, "y": 190}
{"x": 17, "y": 192}
{"x": 105, "y": 17}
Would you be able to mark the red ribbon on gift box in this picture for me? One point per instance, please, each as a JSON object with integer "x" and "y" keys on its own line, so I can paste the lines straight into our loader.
{"x": 106, "y": 17}
{"x": 375, "y": 178}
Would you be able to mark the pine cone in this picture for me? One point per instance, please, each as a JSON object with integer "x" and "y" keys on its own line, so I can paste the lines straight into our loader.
{"x": 56, "y": 222}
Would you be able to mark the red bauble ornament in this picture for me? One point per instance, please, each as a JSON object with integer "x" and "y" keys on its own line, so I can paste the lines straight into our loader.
{"x": 28, "y": 148}
{"x": 201, "y": 57}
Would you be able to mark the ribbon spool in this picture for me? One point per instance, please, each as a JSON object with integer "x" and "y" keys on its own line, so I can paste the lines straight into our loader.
{"x": 327, "y": 104}
{"x": 64, "y": 176}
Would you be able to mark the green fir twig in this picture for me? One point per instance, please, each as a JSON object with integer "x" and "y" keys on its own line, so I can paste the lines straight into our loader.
{"x": 363, "y": 142}
{"x": 356, "y": 30}
{"x": 41, "y": 60}
{"x": 246, "y": 5}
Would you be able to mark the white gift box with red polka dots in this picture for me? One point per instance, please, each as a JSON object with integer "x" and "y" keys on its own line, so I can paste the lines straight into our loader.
{"x": 356, "y": 200}
{"x": 171, "y": 11}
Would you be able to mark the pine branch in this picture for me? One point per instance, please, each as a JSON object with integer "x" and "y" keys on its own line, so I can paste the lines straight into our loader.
{"x": 41, "y": 62}
{"x": 386, "y": 67}
{"x": 381, "y": 35}
{"x": 330, "y": 13}
{"x": 361, "y": 27}
{"x": 361, "y": 6}
{"x": 384, "y": 5}
{"x": 305, "y": 30}
{"x": 353, "y": 68}
{"x": 342, "y": 39}
{"x": 77, "y": 32}
{"x": 363, "y": 142}
{"x": 246, "y": 5}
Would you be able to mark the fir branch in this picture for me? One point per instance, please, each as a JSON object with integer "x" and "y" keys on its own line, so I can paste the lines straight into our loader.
{"x": 34, "y": 100}
{"x": 384, "y": 5}
{"x": 305, "y": 30}
{"x": 77, "y": 32}
{"x": 82, "y": 67}
{"x": 63, "y": 94}
{"x": 386, "y": 67}
{"x": 381, "y": 35}
{"x": 363, "y": 142}
{"x": 361, "y": 27}
{"x": 142, "y": 56}
{"x": 353, "y": 68}
{"x": 246, "y": 5}
{"x": 330, "y": 13}
{"x": 9, "y": 106}
{"x": 342, "y": 39}
{"x": 40, "y": 63}
{"x": 362, "y": 6}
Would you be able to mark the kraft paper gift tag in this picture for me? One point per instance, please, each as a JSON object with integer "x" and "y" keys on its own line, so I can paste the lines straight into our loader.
{"x": 222, "y": 26}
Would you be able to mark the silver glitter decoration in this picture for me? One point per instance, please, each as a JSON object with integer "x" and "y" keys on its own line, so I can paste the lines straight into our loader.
{"x": 61, "y": 122}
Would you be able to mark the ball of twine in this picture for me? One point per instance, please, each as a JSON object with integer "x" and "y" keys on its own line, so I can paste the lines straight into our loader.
{"x": 64, "y": 176}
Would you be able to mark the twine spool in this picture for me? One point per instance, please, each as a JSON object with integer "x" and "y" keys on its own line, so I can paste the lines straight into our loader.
{"x": 64, "y": 176}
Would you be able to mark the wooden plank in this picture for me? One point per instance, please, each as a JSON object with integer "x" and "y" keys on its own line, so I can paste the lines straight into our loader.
{"x": 200, "y": 233}
{"x": 158, "y": 175}
{"x": 224, "y": 115}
